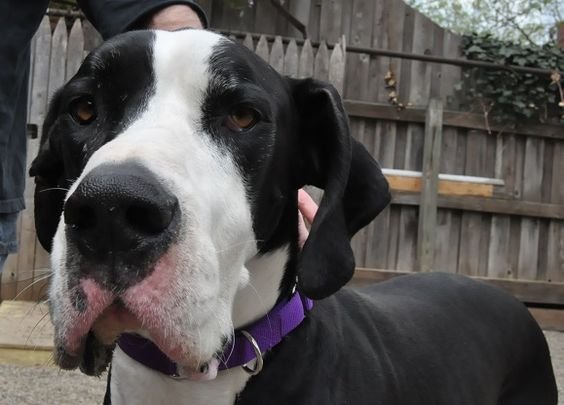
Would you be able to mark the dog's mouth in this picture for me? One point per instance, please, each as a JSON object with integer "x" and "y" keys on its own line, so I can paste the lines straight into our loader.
{"x": 96, "y": 347}
{"x": 86, "y": 338}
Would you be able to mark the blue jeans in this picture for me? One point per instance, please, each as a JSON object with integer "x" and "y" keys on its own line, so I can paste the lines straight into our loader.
{"x": 8, "y": 236}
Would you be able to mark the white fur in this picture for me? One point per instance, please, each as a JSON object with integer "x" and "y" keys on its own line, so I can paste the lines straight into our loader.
{"x": 134, "y": 384}
{"x": 219, "y": 283}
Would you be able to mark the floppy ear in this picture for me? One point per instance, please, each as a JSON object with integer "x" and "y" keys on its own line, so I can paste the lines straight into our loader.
{"x": 50, "y": 187}
{"x": 355, "y": 188}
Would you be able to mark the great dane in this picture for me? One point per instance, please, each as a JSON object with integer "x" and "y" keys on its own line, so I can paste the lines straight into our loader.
{"x": 167, "y": 183}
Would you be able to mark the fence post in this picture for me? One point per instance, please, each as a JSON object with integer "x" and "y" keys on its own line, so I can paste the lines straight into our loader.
{"x": 426, "y": 234}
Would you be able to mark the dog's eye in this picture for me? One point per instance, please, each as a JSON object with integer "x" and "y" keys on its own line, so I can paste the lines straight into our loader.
{"x": 242, "y": 118}
{"x": 82, "y": 110}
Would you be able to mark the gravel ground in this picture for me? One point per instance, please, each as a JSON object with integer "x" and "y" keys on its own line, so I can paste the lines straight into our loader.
{"x": 48, "y": 385}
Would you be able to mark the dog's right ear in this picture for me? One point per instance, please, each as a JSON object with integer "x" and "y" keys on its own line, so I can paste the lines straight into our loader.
{"x": 50, "y": 186}
{"x": 356, "y": 191}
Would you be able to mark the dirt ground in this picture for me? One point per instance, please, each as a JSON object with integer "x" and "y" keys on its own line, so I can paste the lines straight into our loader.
{"x": 48, "y": 385}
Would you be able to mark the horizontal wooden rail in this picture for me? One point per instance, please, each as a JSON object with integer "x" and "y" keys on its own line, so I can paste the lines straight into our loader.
{"x": 445, "y": 176}
{"x": 489, "y": 205}
{"x": 458, "y": 119}
{"x": 451, "y": 185}
{"x": 532, "y": 292}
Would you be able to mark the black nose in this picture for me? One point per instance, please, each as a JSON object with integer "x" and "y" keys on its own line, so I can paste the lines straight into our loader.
{"x": 119, "y": 208}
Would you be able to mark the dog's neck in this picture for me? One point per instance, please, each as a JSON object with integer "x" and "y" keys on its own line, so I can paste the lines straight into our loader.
{"x": 263, "y": 288}
{"x": 272, "y": 272}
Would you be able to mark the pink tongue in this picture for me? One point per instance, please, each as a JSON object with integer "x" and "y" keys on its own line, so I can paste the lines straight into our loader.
{"x": 209, "y": 374}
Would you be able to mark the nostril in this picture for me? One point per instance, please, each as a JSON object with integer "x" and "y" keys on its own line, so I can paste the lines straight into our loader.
{"x": 80, "y": 216}
{"x": 148, "y": 218}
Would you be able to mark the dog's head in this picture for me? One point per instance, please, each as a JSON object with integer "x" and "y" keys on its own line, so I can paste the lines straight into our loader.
{"x": 168, "y": 164}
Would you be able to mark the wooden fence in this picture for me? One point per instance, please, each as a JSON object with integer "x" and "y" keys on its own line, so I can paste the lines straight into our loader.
{"x": 499, "y": 193}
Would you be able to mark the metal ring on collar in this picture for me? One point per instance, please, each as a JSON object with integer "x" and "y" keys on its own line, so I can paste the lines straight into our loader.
{"x": 259, "y": 363}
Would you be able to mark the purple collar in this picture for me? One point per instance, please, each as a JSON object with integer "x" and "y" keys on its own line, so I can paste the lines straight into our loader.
{"x": 265, "y": 333}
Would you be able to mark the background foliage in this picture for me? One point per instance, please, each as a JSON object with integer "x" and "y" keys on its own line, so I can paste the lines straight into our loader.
{"x": 506, "y": 95}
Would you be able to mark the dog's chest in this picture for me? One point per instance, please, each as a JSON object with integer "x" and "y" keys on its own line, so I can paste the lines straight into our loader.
{"x": 133, "y": 384}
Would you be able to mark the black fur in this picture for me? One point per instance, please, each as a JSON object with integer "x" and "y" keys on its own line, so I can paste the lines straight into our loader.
{"x": 427, "y": 339}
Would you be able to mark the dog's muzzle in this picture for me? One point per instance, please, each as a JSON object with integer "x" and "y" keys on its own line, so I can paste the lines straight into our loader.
{"x": 120, "y": 214}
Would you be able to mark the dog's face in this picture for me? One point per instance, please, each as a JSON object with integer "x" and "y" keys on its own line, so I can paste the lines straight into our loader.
{"x": 169, "y": 162}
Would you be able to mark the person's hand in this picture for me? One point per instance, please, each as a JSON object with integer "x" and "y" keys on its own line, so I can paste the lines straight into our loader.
{"x": 174, "y": 17}
{"x": 307, "y": 209}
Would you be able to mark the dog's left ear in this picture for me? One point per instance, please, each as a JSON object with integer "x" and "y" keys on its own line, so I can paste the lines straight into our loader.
{"x": 355, "y": 188}
{"x": 50, "y": 186}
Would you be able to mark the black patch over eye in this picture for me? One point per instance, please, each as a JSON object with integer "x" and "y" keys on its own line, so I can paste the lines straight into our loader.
{"x": 82, "y": 110}
{"x": 242, "y": 118}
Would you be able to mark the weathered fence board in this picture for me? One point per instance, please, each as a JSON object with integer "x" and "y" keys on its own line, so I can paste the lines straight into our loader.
{"x": 427, "y": 228}
{"x": 515, "y": 234}
{"x": 276, "y": 58}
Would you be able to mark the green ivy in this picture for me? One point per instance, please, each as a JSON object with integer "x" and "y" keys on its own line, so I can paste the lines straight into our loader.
{"x": 508, "y": 96}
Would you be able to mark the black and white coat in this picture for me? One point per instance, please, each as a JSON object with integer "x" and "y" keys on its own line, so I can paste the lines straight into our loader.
{"x": 164, "y": 217}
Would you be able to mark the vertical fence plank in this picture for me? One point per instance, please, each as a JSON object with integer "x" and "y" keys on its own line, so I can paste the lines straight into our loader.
{"x": 314, "y": 21}
{"x": 291, "y": 59}
{"x": 248, "y": 42}
{"x": 262, "y": 48}
{"x": 357, "y": 74}
{"x": 276, "y": 58}
{"x": 301, "y": 10}
{"x": 321, "y": 68}
{"x": 555, "y": 244}
{"x": 555, "y": 251}
{"x": 57, "y": 67}
{"x": 92, "y": 38}
{"x": 266, "y": 16}
{"x": 426, "y": 234}
{"x": 532, "y": 185}
{"x": 448, "y": 221}
{"x": 75, "y": 49}
{"x": 337, "y": 66}
{"x": 331, "y": 20}
{"x": 306, "y": 60}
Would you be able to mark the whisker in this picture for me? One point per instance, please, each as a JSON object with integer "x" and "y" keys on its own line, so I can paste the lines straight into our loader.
{"x": 54, "y": 189}
{"x": 262, "y": 303}
{"x": 232, "y": 341}
{"x": 34, "y": 327}
{"x": 40, "y": 279}
{"x": 34, "y": 307}
{"x": 199, "y": 344}
{"x": 50, "y": 361}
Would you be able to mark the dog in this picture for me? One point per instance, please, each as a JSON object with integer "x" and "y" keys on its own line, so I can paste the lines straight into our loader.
{"x": 166, "y": 193}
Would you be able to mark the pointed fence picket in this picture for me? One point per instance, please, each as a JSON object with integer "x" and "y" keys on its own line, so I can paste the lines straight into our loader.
{"x": 294, "y": 61}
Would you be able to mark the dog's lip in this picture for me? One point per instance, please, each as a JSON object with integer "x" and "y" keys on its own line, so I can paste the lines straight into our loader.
{"x": 117, "y": 319}
{"x": 113, "y": 321}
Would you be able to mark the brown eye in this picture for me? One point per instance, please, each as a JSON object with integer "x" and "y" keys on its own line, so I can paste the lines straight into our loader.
{"x": 82, "y": 110}
{"x": 242, "y": 118}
